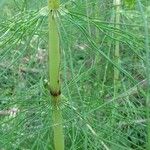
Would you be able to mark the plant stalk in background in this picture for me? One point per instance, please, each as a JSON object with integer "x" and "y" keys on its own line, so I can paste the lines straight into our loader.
{"x": 117, "y": 5}
{"x": 147, "y": 66}
{"x": 54, "y": 73}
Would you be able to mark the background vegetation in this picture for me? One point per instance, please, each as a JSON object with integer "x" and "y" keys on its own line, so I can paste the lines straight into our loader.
{"x": 94, "y": 117}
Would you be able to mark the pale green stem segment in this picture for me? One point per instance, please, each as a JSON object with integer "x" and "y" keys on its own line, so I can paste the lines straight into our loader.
{"x": 54, "y": 54}
{"x": 54, "y": 73}
{"x": 53, "y": 4}
{"x": 58, "y": 128}
{"x": 117, "y": 4}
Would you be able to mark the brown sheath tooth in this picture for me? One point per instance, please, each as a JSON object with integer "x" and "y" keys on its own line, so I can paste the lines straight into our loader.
{"x": 55, "y": 94}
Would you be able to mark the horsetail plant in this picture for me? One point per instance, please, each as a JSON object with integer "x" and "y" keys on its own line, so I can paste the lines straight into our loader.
{"x": 54, "y": 73}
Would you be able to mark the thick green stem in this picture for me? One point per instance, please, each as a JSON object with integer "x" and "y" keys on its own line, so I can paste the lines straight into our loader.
{"x": 54, "y": 55}
{"x": 54, "y": 73}
{"x": 58, "y": 127}
{"x": 117, "y": 4}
